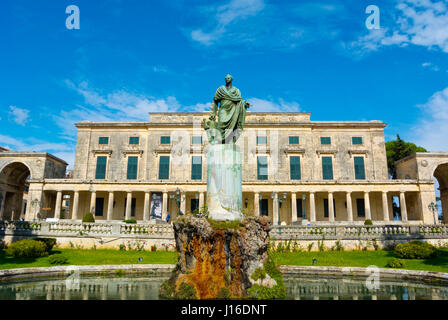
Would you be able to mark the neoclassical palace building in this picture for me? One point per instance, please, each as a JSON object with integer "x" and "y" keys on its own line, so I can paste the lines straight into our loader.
{"x": 294, "y": 170}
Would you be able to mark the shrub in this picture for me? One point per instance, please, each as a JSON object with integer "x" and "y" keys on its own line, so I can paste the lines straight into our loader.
{"x": 259, "y": 273}
{"x": 130, "y": 221}
{"x": 415, "y": 250}
{"x": 88, "y": 217}
{"x": 49, "y": 243}
{"x": 153, "y": 247}
{"x": 278, "y": 291}
{"x": 27, "y": 249}
{"x": 368, "y": 222}
{"x": 58, "y": 259}
{"x": 223, "y": 294}
{"x": 395, "y": 263}
{"x": 186, "y": 292}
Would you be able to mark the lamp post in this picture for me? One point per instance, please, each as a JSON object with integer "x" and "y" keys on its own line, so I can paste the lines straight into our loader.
{"x": 433, "y": 207}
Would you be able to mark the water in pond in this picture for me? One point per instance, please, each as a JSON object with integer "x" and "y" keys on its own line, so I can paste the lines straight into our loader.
{"x": 146, "y": 288}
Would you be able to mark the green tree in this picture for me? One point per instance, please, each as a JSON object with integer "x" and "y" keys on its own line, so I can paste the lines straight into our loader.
{"x": 399, "y": 149}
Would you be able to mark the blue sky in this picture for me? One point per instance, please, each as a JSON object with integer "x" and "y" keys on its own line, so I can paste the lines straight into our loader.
{"x": 137, "y": 56}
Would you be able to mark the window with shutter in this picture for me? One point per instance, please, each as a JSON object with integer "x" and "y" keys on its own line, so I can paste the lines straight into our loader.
{"x": 356, "y": 140}
{"x": 101, "y": 162}
{"x": 103, "y": 140}
{"x": 132, "y": 168}
{"x": 196, "y": 140}
{"x": 164, "y": 167}
{"x": 294, "y": 167}
{"x": 196, "y": 168}
{"x": 262, "y": 140}
{"x": 325, "y": 140}
{"x": 134, "y": 140}
{"x": 360, "y": 173}
{"x": 165, "y": 140}
{"x": 262, "y": 168}
{"x": 294, "y": 140}
{"x": 327, "y": 168}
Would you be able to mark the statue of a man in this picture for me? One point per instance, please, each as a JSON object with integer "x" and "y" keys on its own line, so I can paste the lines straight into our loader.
{"x": 231, "y": 109}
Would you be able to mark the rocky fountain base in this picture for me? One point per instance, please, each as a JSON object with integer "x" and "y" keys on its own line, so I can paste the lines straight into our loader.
{"x": 221, "y": 260}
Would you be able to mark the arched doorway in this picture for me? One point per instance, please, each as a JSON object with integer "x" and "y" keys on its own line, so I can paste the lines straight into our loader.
{"x": 441, "y": 174}
{"x": 13, "y": 185}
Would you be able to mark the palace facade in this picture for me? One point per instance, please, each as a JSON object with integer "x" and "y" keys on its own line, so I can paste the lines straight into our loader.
{"x": 294, "y": 170}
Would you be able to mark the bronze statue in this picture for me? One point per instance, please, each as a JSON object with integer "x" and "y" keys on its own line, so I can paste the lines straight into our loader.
{"x": 231, "y": 109}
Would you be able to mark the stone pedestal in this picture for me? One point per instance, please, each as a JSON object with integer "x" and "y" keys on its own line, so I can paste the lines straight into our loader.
{"x": 219, "y": 260}
{"x": 224, "y": 182}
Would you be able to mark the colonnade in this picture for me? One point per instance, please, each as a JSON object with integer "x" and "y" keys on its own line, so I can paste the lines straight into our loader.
{"x": 274, "y": 210}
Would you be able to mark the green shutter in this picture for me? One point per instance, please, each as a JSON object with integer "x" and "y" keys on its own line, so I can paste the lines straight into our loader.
{"x": 294, "y": 168}
{"x": 360, "y": 173}
{"x": 101, "y": 167}
{"x": 132, "y": 168}
{"x": 294, "y": 140}
{"x": 165, "y": 140}
{"x": 262, "y": 140}
{"x": 356, "y": 140}
{"x": 196, "y": 140}
{"x": 325, "y": 140}
{"x": 327, "y": 168}
{"x": 262, "y": 168}
{"x": 103, "y": 140}
{"x": 134, "y": 140}
{"x": 164, "y": 167}
{"x": 196, "y": 168}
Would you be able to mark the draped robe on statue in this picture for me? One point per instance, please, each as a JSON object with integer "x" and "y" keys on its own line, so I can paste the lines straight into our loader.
{"x": 231, "y": 113}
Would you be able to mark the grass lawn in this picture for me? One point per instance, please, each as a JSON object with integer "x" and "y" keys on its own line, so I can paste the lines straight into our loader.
{"x": 326, "y": 258}
{"x": 361, "y": 259}
{"x": 91, "y": 257}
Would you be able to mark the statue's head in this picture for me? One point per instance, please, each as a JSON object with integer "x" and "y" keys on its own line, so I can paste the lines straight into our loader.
{"x": 228, "y": 78}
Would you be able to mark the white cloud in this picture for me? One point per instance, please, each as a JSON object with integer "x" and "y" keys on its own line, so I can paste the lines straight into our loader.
{"x": 431, "y": 131}
{"x": 19, "y": 116}
{"x": 64, "y": 150}
{"x": 430, "y": 66}
{"x": 261, "y": 105}
{"x": 418, "y": 22}
{"x": 224, "y": 15}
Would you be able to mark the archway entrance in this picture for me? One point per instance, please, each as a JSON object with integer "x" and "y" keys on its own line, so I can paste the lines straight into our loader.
{"x": 441, "y": 174}
{"x": 13, "y": 186}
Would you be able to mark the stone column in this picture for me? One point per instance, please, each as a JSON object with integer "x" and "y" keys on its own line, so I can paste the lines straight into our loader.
{"x": 165, "y": 205}
{"x": 404, "y": 212}
{"x": 201, "y": 199}
{"x": 275, "y": 211}
{"x": 2, "y": 205}
{"x": 348, "y": 199}
{"x": 256, "y": 204}
{"x": 146, "y": 206}
{"x": 75, "y": 205}
{"x": 293, "y": 207}
{"x": 57, "y": 207}
{"x": 367, "y": 205}
{"x": 330, "y": 207}
{"x": 385, "y": 207}
{"x": 92, "y": 202}
{"x": 110, "y": 206}
{"x": 312, "y": 208}
{"x": 183, "y": 202}
{"x": 128, "y": 206}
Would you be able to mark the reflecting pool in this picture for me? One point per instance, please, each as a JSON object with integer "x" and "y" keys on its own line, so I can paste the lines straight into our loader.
{"x": 146, "y": 288}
